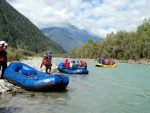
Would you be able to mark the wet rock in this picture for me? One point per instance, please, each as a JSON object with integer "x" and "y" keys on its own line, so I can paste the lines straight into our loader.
{"x": 31, "y": 95}
{"x": 5, "y": 86}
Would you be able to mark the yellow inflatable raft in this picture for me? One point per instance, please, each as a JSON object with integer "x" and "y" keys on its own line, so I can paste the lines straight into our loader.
{"x": 103, "y": 65}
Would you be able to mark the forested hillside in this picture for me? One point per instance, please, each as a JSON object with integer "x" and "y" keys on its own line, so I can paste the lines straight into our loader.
{"x": 120, "y": 45}
{"x": 20, "y": 33}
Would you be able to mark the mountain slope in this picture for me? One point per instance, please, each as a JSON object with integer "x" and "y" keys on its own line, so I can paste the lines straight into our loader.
{"x": 19, "y": 32}
{"x": 69, "y": 36}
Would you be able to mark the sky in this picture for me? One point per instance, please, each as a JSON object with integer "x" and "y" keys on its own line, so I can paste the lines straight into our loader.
{"x": 98, "y": 17}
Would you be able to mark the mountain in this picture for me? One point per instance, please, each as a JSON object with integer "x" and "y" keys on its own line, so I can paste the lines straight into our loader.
{"x": 21, "y": 33}
{"x": 69, "y": 36}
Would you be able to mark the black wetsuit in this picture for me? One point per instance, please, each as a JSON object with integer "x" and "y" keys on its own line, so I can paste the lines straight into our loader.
{"x": 3, "y": 62}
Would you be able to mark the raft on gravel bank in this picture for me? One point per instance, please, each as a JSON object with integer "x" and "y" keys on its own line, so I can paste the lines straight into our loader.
{"x": 30, "y": 79}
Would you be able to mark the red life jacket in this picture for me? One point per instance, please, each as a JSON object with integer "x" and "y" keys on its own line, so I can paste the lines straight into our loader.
{"x": 67, "y": 64}
{"x": 2, "y": 54}
{"x": 46, "y": 61}
{"x": 84, "y": 64}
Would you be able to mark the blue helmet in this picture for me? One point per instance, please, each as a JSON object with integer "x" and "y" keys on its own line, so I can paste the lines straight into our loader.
{"x": 77, "y": 61}
{"x": 49, "y": 52}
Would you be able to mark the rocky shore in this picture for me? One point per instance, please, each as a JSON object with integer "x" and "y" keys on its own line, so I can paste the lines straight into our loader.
{"x": 5, "y": 86}
{"x": 141, "y": 61}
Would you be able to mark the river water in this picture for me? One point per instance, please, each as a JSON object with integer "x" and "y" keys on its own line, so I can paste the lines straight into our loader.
{"x": 124, "y": 89}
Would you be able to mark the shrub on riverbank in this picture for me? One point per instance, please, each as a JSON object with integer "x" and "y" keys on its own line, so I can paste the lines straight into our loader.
{"x": 18, "y": 54}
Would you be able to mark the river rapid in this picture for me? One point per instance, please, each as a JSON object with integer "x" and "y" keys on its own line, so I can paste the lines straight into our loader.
{"x": 124, "y": 89}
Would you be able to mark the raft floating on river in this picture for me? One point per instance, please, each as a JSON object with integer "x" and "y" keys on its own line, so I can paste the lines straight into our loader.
{"x": 81, "y": 70}
{"x": 104, "y": 65}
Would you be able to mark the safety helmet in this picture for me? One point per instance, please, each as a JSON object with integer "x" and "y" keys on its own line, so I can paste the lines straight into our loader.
{"x": 2, "y": 42}
{"x": 44, "y": 55}
{"x": 80, "y": 60}
{"x": 6, "y": 44}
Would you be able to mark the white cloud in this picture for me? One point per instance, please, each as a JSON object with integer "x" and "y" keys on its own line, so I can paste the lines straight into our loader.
{"x": 98, "y": 17}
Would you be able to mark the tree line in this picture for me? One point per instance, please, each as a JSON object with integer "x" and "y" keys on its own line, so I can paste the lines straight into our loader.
{"x": 121, "y": 45}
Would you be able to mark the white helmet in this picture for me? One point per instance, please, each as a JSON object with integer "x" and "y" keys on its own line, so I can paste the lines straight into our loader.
{"x": 2, "y": 42}
{"x": 6, "y": 44}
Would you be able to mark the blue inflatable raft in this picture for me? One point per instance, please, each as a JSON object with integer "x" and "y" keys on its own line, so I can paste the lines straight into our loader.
{"x": 61, "y": 68}
{"x": 32, "y": 80}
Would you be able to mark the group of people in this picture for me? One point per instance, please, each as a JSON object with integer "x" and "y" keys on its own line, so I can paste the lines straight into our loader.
{"x": 3, "y": 57}
{"x": 106, "y": 61}
{"x": 75, "y": 64}
{"x": 47, "y": 62}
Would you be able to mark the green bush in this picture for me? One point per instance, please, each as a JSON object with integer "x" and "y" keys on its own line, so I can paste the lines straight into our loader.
{"x": 18, "y": 54}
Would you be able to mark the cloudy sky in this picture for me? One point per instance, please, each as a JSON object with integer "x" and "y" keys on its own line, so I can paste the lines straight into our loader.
{"x": 98, "y": 17}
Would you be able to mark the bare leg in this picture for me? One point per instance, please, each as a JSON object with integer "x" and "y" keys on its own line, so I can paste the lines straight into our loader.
{"x": 48, "y": 71}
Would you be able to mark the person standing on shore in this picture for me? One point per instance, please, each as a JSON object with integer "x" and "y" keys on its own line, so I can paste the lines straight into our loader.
{"x": 47, "y": 63}
{"x": 3, "y": 58}
{"x": 50, "y": 59}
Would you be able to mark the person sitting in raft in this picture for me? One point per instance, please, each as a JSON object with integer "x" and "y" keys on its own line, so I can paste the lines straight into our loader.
{"x": 83, "y": 64}
{"x": 107, "y": 62}
{"x": 46, "y": 62}
{"x": 78, "y": 64}
{"x": 73, "y": 65}
{"x": 112, "y": 62}
{"x": 67, "y": 63}
{"x": 102, "y": 60}
{"x": 99, "y": 60}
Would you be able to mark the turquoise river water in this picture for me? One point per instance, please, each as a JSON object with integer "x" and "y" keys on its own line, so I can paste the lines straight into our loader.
{"x": 124, "y": 89}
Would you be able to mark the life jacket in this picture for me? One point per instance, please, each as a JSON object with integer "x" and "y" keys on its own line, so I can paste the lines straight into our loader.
{"x": 2, "y": 54}
{"x": 67, "y": 64}
{"x": 84, "y": 64}
{"x": 107, "y": 63}
{"x": 46, "y": 61}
